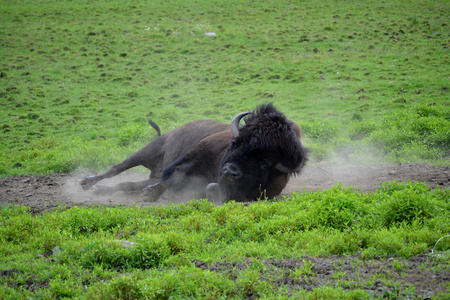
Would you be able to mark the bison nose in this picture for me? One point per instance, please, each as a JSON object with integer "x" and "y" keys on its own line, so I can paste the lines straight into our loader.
{"x": 231, "y": 170}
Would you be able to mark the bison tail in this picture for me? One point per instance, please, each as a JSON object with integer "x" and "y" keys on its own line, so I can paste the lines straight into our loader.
{"x": 155, "y": 126}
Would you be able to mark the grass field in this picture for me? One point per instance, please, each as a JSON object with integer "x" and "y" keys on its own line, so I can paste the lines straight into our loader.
{"x": 367, "y": 82}
{"x": 79, "y": 79}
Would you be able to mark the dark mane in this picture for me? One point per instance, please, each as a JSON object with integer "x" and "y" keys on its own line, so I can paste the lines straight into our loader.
{"x": 265, "y": 111}
{"x": 265, "y": 127}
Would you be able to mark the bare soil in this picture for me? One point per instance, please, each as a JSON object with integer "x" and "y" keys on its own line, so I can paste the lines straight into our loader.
{"x": 389, "y": 278}
{"x": 44, "y": 192}
{"x": 425, "y": 273}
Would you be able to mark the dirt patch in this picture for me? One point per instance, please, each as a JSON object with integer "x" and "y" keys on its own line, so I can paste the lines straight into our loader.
{"x": 368, "y": 178}
{"x": 42, "y": 193}
{"x": 384, "y": 278}
{"x": 31, "y": 284}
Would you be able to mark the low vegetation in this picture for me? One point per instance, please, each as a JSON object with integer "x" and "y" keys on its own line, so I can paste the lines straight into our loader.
{"x": 235, "y": 250}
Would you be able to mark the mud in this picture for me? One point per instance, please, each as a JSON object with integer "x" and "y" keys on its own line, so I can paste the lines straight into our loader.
{"x": 42, "y": 193}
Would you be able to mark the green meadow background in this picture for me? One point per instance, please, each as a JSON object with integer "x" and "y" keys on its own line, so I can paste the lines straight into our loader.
{"x": 79, "y": 79}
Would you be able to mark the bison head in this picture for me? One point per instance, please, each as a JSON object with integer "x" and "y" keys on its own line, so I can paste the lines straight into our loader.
{"x": 261, "y": 157}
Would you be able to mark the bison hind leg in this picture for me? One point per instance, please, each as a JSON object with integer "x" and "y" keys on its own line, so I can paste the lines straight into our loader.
{"x": 88, "y": 182}
{"x": 127, "y": 187}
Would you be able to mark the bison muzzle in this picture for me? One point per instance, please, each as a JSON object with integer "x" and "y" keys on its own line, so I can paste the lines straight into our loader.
{"x": 212, "y": 159}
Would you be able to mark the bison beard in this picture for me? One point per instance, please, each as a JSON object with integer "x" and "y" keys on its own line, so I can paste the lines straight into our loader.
{"x": 207, "y": 158}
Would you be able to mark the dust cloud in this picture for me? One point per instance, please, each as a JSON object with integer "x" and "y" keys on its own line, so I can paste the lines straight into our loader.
{"x": 77, "y": 195}
{"x": 46, "y": 192}
{"x": 75, "y": 192}
{"x": 358, "y": 166}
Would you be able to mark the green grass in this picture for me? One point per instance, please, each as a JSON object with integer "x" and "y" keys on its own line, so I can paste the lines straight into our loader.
{"x": 78, "y": 78}
{"x": 175, "y": 246}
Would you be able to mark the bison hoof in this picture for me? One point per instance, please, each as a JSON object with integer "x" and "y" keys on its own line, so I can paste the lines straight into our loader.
{"x": 102, "y": 190}
{"x": 152, "y": 192}
{"x": 149, "y": 196}
{"x": 88, "y": 182}
{"x": 212, "y": 189}
{"x": 213, "y": 192}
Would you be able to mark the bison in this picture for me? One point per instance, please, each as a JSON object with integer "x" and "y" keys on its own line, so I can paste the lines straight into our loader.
{"x": 216, "y": 160}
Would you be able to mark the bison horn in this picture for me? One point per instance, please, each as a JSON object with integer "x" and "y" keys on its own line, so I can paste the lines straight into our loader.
{"x": 235, "y": 123}
{"x": 283, "y": 169}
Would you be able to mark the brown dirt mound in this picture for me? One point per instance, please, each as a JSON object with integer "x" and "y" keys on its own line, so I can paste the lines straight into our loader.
{"x": 43, "y": 193}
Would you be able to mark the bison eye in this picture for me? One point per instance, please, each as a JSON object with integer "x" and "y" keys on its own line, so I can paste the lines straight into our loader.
{"x": 263, "y": 167}
{"x": 233, "y": 144}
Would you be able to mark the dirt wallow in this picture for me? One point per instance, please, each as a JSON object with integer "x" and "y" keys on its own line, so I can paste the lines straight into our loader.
{"x": 45, "y": 192}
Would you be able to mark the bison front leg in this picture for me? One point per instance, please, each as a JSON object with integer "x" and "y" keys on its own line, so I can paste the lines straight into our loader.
{"x": 152, "y": 192}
